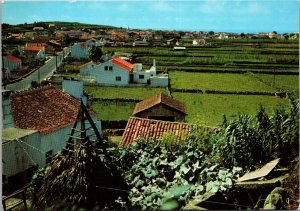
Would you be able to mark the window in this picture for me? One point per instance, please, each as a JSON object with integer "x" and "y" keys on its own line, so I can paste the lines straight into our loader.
{"x": 110, "y": 68}
{"x": 141, "y": 76}
{"x": 118, "y": 78}
{"x": 49, "y": 155}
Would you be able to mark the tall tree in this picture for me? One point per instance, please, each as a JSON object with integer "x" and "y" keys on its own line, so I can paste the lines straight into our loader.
{"x": 96, "y": 53}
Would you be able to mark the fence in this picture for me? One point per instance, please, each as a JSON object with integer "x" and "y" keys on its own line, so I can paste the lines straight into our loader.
{"x": 39, "y": 75}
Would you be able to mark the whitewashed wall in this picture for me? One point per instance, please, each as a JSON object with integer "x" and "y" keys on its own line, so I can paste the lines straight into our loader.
{"x": 14, "y": 157}
{"x": 109, "y": 77}
{"x": 79, "y": 52}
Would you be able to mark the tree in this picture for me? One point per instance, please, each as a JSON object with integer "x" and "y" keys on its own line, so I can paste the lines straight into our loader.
{"x": 96, "y": 53}
{"x": 242, "y": 35}
{"x": 67, "y": 40}
{"x": 211, "y": 32}
{"x": 16, "y": 53}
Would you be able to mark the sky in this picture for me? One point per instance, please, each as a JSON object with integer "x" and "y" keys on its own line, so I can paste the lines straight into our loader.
{"x": 248, "y": 16}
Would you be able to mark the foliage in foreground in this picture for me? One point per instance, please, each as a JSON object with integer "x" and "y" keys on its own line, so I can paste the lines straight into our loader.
{"x": 167, "y": 175}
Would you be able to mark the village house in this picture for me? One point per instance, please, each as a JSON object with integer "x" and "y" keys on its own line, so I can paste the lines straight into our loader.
{"x": 199, "y": 42}
{"x": 140, "y": 42}
{"x": 34, "y": 50}
{"x": 272, "y": 35}
{"x": 150, "y": 129}
{"x": 161, "y": 107}
{"x": 36, "y": 125}
{"x": 172, "y": 42}
{"x": 118, "y": 71}
{"x": 72, "y": 33}
{"x": 82, "y": 50}
{"x": 11, "y": 63}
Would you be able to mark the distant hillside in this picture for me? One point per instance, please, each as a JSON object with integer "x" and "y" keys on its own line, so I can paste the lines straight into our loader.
{"x": 68, "y": 25}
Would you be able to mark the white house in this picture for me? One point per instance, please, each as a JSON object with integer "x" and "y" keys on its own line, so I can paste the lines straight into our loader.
{"x": 140, "y": 42}
{"x": 113, "y": 72}
{"x": 80, "y": 50}
{"x": 143, "y": 76}
{"x": 117, "y": 71}
{"x": 36, "y": 50}
{"x": 11, "y": 63}
{"x": 199, "y": 42}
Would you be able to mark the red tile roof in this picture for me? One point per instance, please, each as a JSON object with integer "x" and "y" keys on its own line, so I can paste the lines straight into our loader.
{"x": 34, "y": 47}
{"x": 45, "y": 109}
{"x": 122, "y": 63}
{"x": 12, "y": 58}
{"x": 157, "y": 99}
{"x": 148, "y": 129}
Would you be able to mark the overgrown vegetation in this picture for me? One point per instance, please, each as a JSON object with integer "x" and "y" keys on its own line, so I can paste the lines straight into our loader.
{"x": 167, "y": 174}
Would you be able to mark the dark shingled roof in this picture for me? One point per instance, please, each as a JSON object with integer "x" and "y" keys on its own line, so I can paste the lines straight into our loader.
{"x": 138, "y": 128}
{"x": 44, "y": 109}
{"x": 157, "y": 99}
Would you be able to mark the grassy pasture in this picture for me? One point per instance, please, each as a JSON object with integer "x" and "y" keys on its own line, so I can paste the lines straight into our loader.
{"x": 208, "y": 109}
{"x": 136, "y": 93}
{"x": 217, "y": 81}
{"x": 113, "y": 110}
{"x": 286, "y": 82}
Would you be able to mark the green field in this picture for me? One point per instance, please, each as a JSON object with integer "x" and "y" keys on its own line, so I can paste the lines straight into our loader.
{"x": 217, "y": 81}
{"x": 137, "y": 93}
{"x": 113, "y": 110}
{"x": 286, "y": 82}
{"x": 208, "y": 109}
{"x": 239, "y": 65}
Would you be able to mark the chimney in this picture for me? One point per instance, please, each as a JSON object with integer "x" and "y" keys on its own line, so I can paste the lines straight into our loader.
{"x": 154, "y": 63}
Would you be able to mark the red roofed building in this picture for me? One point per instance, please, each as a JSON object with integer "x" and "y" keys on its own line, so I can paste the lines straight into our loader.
{"x": 48, "y": 110}
{"x": 36, "y": 50}
{"x": 10, "y": 63}
{"x": 149, "y": 129}
{"x": 161, "y": 107}
{"x": 113, "y": 72}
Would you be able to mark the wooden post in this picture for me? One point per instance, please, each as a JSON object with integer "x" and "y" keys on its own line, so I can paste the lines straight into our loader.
{"x": 24, "y": 199}
{"x": 3, "y": 204}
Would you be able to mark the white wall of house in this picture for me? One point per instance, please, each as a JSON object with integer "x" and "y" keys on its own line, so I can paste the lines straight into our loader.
{"x": 73, "y": 87}
{"x": 78, "y": 51}
{"x": 11, "y": 65}
{"x": 159, "y": 81}
{"x": 7, "y": 118}
{"x": 20, "y": 154}
{"x": 110, "y": 74}
{"x": 88, "y": 70}
{"x": 57, "y": 139}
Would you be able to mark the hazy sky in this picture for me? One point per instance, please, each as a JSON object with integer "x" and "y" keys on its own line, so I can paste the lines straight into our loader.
{"x": 203, "y": 15}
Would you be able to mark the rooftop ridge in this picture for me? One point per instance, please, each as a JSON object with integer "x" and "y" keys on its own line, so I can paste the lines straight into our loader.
{"x": 32, "y": 90}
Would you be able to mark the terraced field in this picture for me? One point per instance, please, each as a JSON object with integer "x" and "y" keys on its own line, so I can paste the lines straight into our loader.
{"x": 208, "y": 109}
{"x": 239, "y": 67}
{"x": 217, "y": 81}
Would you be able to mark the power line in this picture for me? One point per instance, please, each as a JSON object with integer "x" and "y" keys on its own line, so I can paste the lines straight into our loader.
{"x": 27, "y": 153}
{"x": 32, "y": 146}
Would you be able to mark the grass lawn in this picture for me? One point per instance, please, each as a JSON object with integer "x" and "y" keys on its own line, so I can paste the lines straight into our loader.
{"x": 217, "y": 81}
{"x": 208, "y": 109}
{"x": 113, "y": 110}
{"x": 137, "y": 93}
{"x": 287, "y": 82}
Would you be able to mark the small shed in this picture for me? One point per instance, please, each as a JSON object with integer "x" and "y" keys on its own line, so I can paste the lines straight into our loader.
{"x": 161, "y": 107}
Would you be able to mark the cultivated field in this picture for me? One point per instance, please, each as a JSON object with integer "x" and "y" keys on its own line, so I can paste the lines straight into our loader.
{"x": 251, "y": 70}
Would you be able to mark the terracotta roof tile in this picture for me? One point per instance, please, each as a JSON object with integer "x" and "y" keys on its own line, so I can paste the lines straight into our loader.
{"x": 138, "y": 128}
{"x": 157, "y": 99}
{"x": 34, "y": 47}
{"x": 45, "y": 109}
{"x": 122, "y": 63}
{"x": 12, "y": 58}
